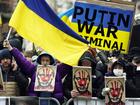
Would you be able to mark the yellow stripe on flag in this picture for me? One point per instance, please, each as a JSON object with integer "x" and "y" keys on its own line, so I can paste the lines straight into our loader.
{"x": 60, "y": 45}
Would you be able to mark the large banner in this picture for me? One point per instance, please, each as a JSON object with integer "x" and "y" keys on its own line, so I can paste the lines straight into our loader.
{"x": 116, "y": 95}
{"x": 45, "y": 78}
{"x": 82, "y": 81}
{"x": 106, "y": 25}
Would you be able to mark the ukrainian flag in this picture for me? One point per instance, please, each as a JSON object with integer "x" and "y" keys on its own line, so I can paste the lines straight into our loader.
{"x": 67, "y": 16}
{"x": 35, "y": 21}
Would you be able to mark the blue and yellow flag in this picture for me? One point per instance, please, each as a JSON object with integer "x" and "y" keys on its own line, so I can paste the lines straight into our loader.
{"x": 67, "y": 16}
{"x": 106, "y": 27}
{"x": 35, "y": 21}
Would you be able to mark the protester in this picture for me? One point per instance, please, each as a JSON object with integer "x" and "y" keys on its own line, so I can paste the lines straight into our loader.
{"x": 103, "y": 63}
{"x": 30, "y": 69}
{"x": 121, "y": 68}
{"x": 117, "y": 69}
{"x": 115, "y": 92}
{"x": 12, "y": 77}
{"x": 97, "y": 78}
{"x": 134, "y": 73}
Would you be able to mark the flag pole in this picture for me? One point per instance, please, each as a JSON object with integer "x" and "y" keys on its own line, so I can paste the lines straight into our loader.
{"x": 10, "y": 30}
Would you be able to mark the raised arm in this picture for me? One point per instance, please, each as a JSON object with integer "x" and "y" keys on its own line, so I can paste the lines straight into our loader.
{"x": 26, "y": 67}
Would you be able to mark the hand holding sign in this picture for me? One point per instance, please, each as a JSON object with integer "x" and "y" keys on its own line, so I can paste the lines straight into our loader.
{"x": 74, "y": 93}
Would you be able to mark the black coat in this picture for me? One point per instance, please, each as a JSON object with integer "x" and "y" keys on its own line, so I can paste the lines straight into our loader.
{"x": 97, "y": 85}
{"x": 97, "y": 78}
{"x": 133, "y": 85}
{"x": 17, "y": 76}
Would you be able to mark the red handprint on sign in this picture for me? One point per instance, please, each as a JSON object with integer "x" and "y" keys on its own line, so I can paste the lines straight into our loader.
{"x": 116, "y": 92}
{"x": 82, "y": 80}
{"x": 45, "y": 76}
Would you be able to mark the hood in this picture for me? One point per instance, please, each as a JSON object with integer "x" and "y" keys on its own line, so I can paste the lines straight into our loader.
{"x": 119, "y": 62}
{"x": 134, "y": 52}
{"x": 45, "y": 54}
{"x": 4, "y": 53}
{"x": 88, "y": 56}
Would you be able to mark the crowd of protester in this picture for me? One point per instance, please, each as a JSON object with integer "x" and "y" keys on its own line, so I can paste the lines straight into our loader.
{"x": 18, "y": 69}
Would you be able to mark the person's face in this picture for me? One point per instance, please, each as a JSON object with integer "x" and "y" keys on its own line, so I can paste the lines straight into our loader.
{"x": 118, "y": 70}
{"x": 45, "y": 76}
{"x": 86, "y": 63}
{"x": 116, "y": 90}
{"x": 6, "y": 62}
{"x": 45, "y": 60}
{"x": 81, "y": 79}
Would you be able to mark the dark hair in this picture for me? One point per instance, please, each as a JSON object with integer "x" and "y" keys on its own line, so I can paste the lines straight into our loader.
{"x": 88, "y": 56}
{"x": 134, "y": 51}
{"x": 137, "y": 59}
{"x": 116, "y": 53}
{"x": 4, "y": 53}
{"x": 119, "y": 62}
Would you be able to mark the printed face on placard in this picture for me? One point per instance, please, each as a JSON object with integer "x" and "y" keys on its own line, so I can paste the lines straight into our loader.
{"x": 116, "y": 90}
{"x": 81, "y": 80}
{"x": 45, "y": 76}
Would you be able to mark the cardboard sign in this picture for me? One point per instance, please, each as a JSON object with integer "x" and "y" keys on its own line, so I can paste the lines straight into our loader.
{"x": 106, "y": 25}
{"x": 2, "y": 88}
{"x": 10, "y": 89}
{"x": 45, "y": 78}
{"x": 116, "y": 95}
{"x": 82, "y": 81}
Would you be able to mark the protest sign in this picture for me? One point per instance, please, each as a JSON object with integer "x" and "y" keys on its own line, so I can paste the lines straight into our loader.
{"x": 45, "y": 78}
{"x": 116, "y": 95}
{"x": 82, "y": 81}
{"x": 106, "y": 25}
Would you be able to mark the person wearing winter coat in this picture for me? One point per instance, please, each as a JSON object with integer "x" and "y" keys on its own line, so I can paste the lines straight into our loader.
{"x": 12, "y": 77}
{"x": 115, "y": 93}
{"x": 87, "y": 59}
{"x": 119, "y": 68}
{"x": 30, "y": 70}
{"x": 133, "y": 78}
